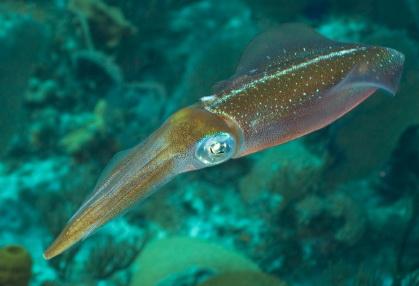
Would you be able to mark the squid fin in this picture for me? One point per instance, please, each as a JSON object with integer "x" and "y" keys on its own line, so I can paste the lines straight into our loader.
{"x": 275, "y": 47}
{"x": 383, "y": 71}
{"x": 287, "y": 42}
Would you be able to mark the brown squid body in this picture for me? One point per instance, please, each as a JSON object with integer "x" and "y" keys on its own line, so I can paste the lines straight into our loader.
{"x": 290, "y": 82}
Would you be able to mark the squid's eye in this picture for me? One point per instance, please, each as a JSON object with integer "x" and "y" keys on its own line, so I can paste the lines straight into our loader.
{"x": 215, "y": 149}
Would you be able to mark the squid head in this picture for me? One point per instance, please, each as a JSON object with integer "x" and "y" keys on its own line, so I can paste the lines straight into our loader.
{"x": 190, "y": 139}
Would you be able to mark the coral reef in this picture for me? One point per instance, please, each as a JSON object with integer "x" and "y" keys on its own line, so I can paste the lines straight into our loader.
{"x": 83, "y": 79}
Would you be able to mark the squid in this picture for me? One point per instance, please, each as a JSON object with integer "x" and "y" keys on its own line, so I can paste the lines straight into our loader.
{"x": 289, "y": 82}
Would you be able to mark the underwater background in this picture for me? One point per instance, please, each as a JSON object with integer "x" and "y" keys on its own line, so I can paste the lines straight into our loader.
{"x": 83, "y": 79}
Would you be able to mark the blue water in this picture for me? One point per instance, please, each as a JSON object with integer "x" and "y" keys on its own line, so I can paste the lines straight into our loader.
{"x": 83, "y": 79}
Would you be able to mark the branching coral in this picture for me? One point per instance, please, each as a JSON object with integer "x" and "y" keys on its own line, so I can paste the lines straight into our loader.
{"x": 105, "y": 23}
{"x": 110, "y": 256}
{"x": 108, "y": 259}
{"x": 97, "y": 67}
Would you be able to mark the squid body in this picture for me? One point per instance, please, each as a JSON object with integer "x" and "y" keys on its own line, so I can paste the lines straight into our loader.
{"x": 290, "y": 81}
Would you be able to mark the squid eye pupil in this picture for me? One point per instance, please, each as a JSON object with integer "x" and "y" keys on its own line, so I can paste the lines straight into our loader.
{"x": 215, "y": 149}
{"x": 218, "y": 148}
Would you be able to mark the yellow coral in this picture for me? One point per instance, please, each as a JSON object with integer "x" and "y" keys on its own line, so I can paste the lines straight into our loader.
{"x": 15, "y": 266}
{"x": 78, "y": 139}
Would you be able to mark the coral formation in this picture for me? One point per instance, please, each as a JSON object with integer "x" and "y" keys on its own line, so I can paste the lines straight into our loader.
{"x": 288, "y": 169}
{"x": 15, "y": 266}
{"x": 110, "y": 256}
{"x": 90, "y": 130}
{"x": 178, "y": 254}
{"x": 313, "y": 211}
